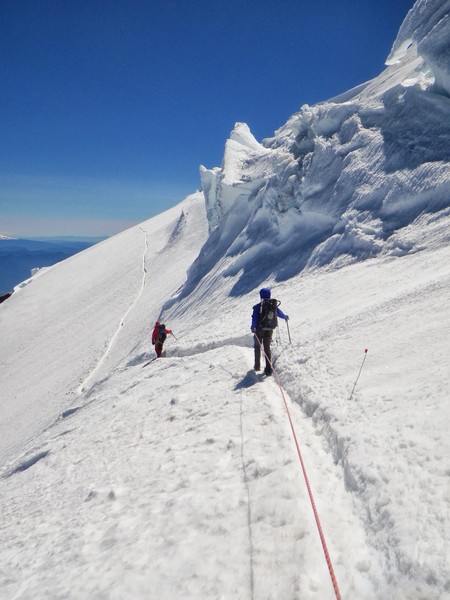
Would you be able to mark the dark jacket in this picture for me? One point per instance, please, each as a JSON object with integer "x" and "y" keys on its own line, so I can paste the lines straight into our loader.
{"x": 257, "y": 311}
{"x": 156, "y": 332}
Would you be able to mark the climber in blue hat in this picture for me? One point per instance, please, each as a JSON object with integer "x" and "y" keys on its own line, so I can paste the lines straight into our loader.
{"x": 264, "y": 321}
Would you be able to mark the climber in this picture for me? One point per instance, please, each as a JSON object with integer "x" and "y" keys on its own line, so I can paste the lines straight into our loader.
{"x": 264, "y": 321}
{"x": 159, "y": 337}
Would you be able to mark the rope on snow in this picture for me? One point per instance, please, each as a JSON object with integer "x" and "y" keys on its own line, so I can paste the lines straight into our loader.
{"x": 305, "y": 476}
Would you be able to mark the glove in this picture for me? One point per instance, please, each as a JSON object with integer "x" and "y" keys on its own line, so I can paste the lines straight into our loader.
{"x": 153, "y": 342}
{"x": 287, "y": 318}
{"x": 253, "y": 329}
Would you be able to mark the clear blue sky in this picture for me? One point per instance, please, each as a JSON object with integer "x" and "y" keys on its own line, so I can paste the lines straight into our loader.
{"x": 107, "y": 108}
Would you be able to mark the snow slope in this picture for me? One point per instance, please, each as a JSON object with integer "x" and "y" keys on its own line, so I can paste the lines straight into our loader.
{"x": 179, "y": 478}
{"x": 63, "y": 329}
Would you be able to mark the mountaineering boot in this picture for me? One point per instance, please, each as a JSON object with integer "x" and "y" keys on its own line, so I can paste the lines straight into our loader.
{"x": 268, "y": 371}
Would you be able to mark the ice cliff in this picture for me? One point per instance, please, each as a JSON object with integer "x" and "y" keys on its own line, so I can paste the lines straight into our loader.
{"x": 341, "y": 181}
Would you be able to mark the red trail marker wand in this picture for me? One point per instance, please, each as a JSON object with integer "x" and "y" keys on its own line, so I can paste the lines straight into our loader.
{"x": 364, "y": 360}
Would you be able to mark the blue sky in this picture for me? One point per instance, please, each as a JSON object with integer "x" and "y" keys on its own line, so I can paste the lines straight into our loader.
{"x": 107, "y": 109}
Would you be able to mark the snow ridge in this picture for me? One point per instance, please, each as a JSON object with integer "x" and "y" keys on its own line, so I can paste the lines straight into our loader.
{"x": 180, "y": 479}
{"x": 340, "y": 179}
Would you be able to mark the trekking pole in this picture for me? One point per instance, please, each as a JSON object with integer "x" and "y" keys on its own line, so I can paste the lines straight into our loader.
{"x": 362, "y": 364}
{"x": 289, "y": 333}
{"x": 172, "y": 333}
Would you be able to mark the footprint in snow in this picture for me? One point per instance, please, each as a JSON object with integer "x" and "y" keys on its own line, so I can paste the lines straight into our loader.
{"x": 29, "y": 462}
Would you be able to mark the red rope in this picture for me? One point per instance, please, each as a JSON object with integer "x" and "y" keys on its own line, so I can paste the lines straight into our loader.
{"x": 308, "y": 486}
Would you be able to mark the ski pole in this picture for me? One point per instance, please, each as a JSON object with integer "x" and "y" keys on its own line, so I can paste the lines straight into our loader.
{"x": 362, "y": 364}
{"x": 289, "y": 333}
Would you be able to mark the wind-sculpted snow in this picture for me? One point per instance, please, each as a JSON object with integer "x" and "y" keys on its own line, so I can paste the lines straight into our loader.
{"x": 336, "y": 183}
{"x": 127, "y": 476}
{"x": 224, "y": 187}
{"x": 425, "y": 32}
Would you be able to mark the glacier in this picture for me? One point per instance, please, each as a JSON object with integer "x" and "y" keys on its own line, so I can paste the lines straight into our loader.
{"x": 178, "y": 478}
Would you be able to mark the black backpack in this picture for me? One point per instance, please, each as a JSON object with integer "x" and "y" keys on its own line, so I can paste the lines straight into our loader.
{"x": 162, "y": 334}
{"x": 268, "y": 314}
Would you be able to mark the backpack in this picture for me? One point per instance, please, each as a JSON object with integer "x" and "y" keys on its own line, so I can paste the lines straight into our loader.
{"x": 268, "y": 314}
{"x": 162, "y": 334}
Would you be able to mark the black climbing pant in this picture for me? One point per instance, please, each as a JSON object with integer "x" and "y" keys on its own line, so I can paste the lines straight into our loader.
{"x": 264, "y": 337}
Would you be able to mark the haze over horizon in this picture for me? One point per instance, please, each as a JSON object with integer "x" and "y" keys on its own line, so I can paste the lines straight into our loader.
{"x": 196, "y": 475}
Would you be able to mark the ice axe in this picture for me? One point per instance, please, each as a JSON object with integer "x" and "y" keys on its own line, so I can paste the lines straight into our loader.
{"x": 289, "y": 333}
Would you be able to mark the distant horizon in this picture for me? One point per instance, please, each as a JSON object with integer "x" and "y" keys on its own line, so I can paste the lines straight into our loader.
{"x": 56, "y": 237}
{"x": 19, "y": 257}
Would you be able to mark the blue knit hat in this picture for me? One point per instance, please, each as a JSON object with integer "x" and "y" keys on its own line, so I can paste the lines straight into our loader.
{"x": 264, "y": 293}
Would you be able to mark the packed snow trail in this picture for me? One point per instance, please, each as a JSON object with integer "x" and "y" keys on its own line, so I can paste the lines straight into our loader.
{"x": 54, "y": 329}
{"x": 62, "y": 328}
{"x": 152, "y": 481}
{"x": 84, "y": 386}
{"x": 169, "y": 254}
{"x": 302, "y": 464}
{"x": 346, "y": 211}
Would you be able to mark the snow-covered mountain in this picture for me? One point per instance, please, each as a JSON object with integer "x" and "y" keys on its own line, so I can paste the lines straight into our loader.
{"x": 180, "y": 478}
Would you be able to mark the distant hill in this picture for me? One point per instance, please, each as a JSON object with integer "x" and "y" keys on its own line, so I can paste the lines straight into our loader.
{"x": 19, "y": 256}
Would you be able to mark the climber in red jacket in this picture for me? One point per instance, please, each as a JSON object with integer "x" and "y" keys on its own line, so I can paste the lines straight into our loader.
{"x": 159, "y": 337}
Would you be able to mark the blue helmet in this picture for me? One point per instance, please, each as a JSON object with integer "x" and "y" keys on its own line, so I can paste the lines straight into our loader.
{"x": 264, "y": 293}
